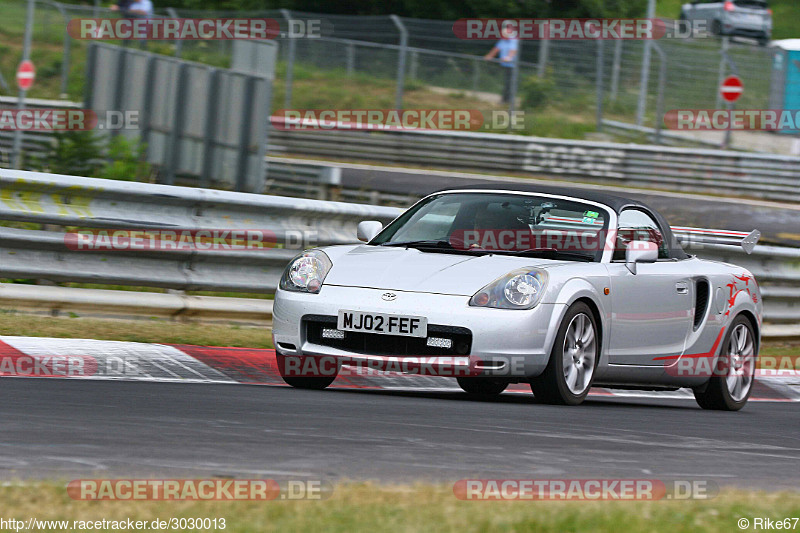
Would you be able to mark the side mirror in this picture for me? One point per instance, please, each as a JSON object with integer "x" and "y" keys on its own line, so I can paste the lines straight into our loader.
{"x": 367, "y": 229}
{"x": 640, "y": 252}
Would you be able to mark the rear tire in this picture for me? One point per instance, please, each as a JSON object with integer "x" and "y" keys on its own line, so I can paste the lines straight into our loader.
{"x": 732, "y": 383}
{"x": 570, "y": 370}
{"x": 482, "y": 386}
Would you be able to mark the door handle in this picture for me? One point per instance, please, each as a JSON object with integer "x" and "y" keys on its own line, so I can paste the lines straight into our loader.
{"x": 682, "y": 287}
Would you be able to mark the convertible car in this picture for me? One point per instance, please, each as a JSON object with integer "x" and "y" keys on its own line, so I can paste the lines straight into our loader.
{"x": 563, "y": 289}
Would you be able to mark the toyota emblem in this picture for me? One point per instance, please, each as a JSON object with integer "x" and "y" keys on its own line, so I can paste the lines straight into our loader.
{"x": 389, "y": 296}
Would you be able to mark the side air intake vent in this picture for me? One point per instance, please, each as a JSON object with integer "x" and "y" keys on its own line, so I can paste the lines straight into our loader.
{"x": 700, "y": 302}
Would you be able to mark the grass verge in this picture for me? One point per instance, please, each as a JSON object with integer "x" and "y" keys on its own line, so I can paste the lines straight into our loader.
{"x": 366, "y": 507}
{"x": 153, "y": 330}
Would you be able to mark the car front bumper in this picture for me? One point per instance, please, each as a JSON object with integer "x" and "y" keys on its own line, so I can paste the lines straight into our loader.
{"x": 504, "y": 342}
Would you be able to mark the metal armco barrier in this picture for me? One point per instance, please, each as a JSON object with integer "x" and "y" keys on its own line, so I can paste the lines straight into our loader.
{"x": 727, "y": 173}
{"x": 91, "y": 203}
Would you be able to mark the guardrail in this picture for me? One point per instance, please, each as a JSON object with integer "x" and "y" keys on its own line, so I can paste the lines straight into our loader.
{"x": 57, "y": 202}
{"x": 669, "y": 138}
{"x": 324, "y": 182}
{"x": 91, "y": 203}
{"x": 725, "y": 172}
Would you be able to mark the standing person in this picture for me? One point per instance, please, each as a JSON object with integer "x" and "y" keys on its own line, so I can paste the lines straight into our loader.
{"x": 134, "y": 9}
{"x": 506, "y": 48}
{"x": 141, "y": 8}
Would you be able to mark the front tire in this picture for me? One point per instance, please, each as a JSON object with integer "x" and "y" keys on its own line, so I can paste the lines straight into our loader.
{"x": 313, "y": 382}
{"x": 570, "y": 370}
{"x": 732, "y": 383}
{"x": 482, "y": 386}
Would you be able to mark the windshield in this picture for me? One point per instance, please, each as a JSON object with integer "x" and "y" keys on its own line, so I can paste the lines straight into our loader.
{"x": 501, "y": 223}
{"x": 751, "y": 3}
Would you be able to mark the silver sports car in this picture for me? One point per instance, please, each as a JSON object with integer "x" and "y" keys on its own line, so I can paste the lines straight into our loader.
{"x": 559, "y": 288}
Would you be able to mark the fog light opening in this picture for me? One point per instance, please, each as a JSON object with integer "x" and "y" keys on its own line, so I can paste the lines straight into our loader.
{"x": 439, "y": 342}
{"x": 330, "y": 333}
{"x": 490, "y": 365}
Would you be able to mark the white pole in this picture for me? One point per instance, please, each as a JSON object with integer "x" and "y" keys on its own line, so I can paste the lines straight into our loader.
{"x": 26, "y": 52}
{"x": 645, "y": 77}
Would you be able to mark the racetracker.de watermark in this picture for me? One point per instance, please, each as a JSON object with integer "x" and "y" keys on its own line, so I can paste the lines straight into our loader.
{"x": 170, "y": 29}
{"x": 67, "y": 120}
{"x": 188, "y": 240}
{"x": 393, "y": 119}
{"x": 48, "y": 366}
{"x": 733, "y": 119}
{"x": 198, "y": 489}
{"x": 562, "y": 29}
{"x": 583, "y": 489}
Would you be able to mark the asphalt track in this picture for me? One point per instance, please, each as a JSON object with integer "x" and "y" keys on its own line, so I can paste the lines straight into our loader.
{"x": 68, "y": 429}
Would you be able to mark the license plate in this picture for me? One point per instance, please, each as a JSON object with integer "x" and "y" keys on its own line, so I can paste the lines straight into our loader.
{"x": 407, "y": 326}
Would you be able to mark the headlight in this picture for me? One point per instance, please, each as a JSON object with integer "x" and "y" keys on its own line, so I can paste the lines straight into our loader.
{"x": 306, "y": 272}
{"x": 520, "y": 289}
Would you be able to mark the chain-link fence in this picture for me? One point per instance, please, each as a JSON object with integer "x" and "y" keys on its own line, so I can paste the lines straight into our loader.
{"x": 426, "y": 53}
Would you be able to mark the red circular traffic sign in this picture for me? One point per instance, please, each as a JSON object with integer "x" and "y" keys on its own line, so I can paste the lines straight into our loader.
{"x": 732, "y": 88}
{"x": 25, "y": 75}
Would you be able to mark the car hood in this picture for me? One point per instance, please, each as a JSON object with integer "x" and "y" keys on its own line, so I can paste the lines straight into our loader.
{"x": 409, "y": 269}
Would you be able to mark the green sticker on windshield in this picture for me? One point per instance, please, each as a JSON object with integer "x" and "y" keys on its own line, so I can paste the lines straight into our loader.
{"x": 591, "y": 214}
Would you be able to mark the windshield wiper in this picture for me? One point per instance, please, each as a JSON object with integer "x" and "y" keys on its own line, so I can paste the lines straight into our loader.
{"x": 426, "y": 244}
{"x": 555, "y": 252}
{"x": 442, "y": 247}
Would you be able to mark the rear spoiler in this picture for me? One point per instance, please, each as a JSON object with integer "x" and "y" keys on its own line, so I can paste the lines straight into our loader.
{"x": 747, "y": 241}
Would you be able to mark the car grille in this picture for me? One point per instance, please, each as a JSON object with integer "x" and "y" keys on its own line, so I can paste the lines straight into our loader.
{"x": 376, "y": 344}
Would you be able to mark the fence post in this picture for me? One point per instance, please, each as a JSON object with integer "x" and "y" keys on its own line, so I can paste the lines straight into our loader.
{"x": 725, "y": 59}
{"x": 412, "y": 69}
{"x": 67, "y": 44}
{"x": 645, "y": 77}
{"x": 662, "y": 80}
{"x": 178, "y": 42}
{"x": 26, "y": 53}
{"x": 615, "y": 69}
{"x": 544, "y": 53}
{"x": 350, "y": 52}
{"x": 512, "y": 101}
{"x": 401, "y": 61}
{"x": 329, "y": 179}
{"x": 287, "y": 100}
{"x": 723, "y": 53}
{"x": 599, "y": 84}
